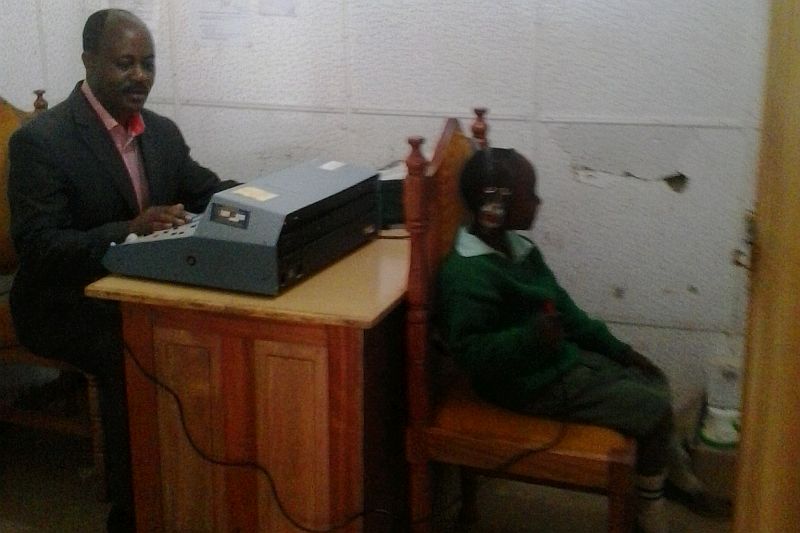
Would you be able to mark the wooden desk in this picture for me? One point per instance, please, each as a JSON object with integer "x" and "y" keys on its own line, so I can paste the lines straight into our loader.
{"x": 307, "y": 384}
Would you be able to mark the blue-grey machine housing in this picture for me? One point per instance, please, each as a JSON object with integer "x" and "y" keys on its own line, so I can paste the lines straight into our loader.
{"x": 264, "y": 235}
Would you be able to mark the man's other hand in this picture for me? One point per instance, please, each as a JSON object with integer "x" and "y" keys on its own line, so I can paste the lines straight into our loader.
{"x": 157, "y": 218}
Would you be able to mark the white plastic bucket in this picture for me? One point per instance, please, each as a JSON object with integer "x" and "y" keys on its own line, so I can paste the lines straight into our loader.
{"x": 720, "y": 427}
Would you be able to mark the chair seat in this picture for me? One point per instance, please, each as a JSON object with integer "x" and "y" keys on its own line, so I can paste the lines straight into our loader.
{"x": 489, "y": 437}
{"x": 13, "y": 353}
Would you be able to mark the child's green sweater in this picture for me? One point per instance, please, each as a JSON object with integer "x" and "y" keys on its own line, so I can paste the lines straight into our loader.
{"x": 487, "y": 304}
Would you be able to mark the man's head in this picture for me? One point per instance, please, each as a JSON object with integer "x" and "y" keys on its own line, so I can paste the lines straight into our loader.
{"x": 119, "y": 57}
{"x": 504, "y": 179}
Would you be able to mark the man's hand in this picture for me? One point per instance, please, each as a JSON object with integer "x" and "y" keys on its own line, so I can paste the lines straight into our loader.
{"x": 158, "y": 217}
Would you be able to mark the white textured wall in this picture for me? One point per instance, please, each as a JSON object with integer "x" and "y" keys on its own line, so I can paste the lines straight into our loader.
{"x": 617, "y": 92}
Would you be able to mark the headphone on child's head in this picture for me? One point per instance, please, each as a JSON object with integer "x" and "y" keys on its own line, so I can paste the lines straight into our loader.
{"x": 494, "y": 206}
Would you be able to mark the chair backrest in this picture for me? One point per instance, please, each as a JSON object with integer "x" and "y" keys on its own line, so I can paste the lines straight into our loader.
{"x": 433, "y": 211}
{"x": 11, "y": 118}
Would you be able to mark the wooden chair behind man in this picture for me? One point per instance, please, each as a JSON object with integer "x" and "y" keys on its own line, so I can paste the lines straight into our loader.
{"x": 448, "y": 423}
{"x": 51, "y": 407}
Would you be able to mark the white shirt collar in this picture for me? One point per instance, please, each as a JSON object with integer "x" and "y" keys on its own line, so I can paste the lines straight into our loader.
{"x": 468, "y": 245}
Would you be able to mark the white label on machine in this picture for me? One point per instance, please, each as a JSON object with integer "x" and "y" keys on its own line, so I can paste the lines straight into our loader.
{"x": 332, "y": 165}
{"x": 255, "y": 193}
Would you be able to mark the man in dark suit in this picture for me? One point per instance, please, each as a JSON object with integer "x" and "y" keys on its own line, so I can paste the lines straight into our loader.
{"x": 87, "y": 173}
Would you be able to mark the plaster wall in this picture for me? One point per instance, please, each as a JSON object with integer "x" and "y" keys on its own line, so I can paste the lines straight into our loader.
{"x": 607, "y": 97}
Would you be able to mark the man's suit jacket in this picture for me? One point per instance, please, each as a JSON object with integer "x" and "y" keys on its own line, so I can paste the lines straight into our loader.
{"x": 71, "y": 196}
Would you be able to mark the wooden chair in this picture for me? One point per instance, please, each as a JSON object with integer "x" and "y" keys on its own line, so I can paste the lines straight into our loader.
{"x": 448, "y": 423}
{"x": 62, "y": 420}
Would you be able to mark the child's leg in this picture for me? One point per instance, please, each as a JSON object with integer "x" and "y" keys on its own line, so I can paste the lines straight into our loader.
{"x": 601, "y": 392}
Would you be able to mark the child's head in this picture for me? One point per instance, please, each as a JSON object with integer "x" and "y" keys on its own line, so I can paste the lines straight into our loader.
{"x": 499, "y": 189}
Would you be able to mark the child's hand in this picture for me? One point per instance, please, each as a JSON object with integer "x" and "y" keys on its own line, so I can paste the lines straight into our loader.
{"x": 549, "y": 329}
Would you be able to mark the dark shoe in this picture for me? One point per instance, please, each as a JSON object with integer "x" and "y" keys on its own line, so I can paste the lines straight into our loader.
{"x": 120, "y": 521}
{"x": 698, "y": 502}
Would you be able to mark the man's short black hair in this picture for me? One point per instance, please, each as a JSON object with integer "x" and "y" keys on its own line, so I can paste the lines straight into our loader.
{"x": 95, "y": 24}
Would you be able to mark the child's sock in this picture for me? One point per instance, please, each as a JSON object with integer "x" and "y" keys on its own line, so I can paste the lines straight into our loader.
{"x": 651, "y": 515}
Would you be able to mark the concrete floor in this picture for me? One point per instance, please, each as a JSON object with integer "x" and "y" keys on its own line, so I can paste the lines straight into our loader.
{"x": 512, "y": 507}
{"x": 46, "y": 487}
{"x": 46, "y": 484}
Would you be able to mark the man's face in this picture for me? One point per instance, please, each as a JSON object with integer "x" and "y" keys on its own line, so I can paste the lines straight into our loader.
{"x": 122, "y": 70}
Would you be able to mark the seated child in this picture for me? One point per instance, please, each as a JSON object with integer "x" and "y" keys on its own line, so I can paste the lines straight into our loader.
{"x": 528, "y": 347}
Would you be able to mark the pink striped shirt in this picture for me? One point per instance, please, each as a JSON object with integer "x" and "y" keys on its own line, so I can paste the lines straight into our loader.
{"x": 124, "y": 138}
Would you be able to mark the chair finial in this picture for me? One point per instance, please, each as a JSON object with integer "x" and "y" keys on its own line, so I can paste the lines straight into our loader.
{"x": 479, "y": 127}
{"x": 40, "y": 104}
{"x": 416, "y": 161}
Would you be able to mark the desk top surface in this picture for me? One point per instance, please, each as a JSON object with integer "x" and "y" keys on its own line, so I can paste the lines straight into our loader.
{"x": 357, "y": 291}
